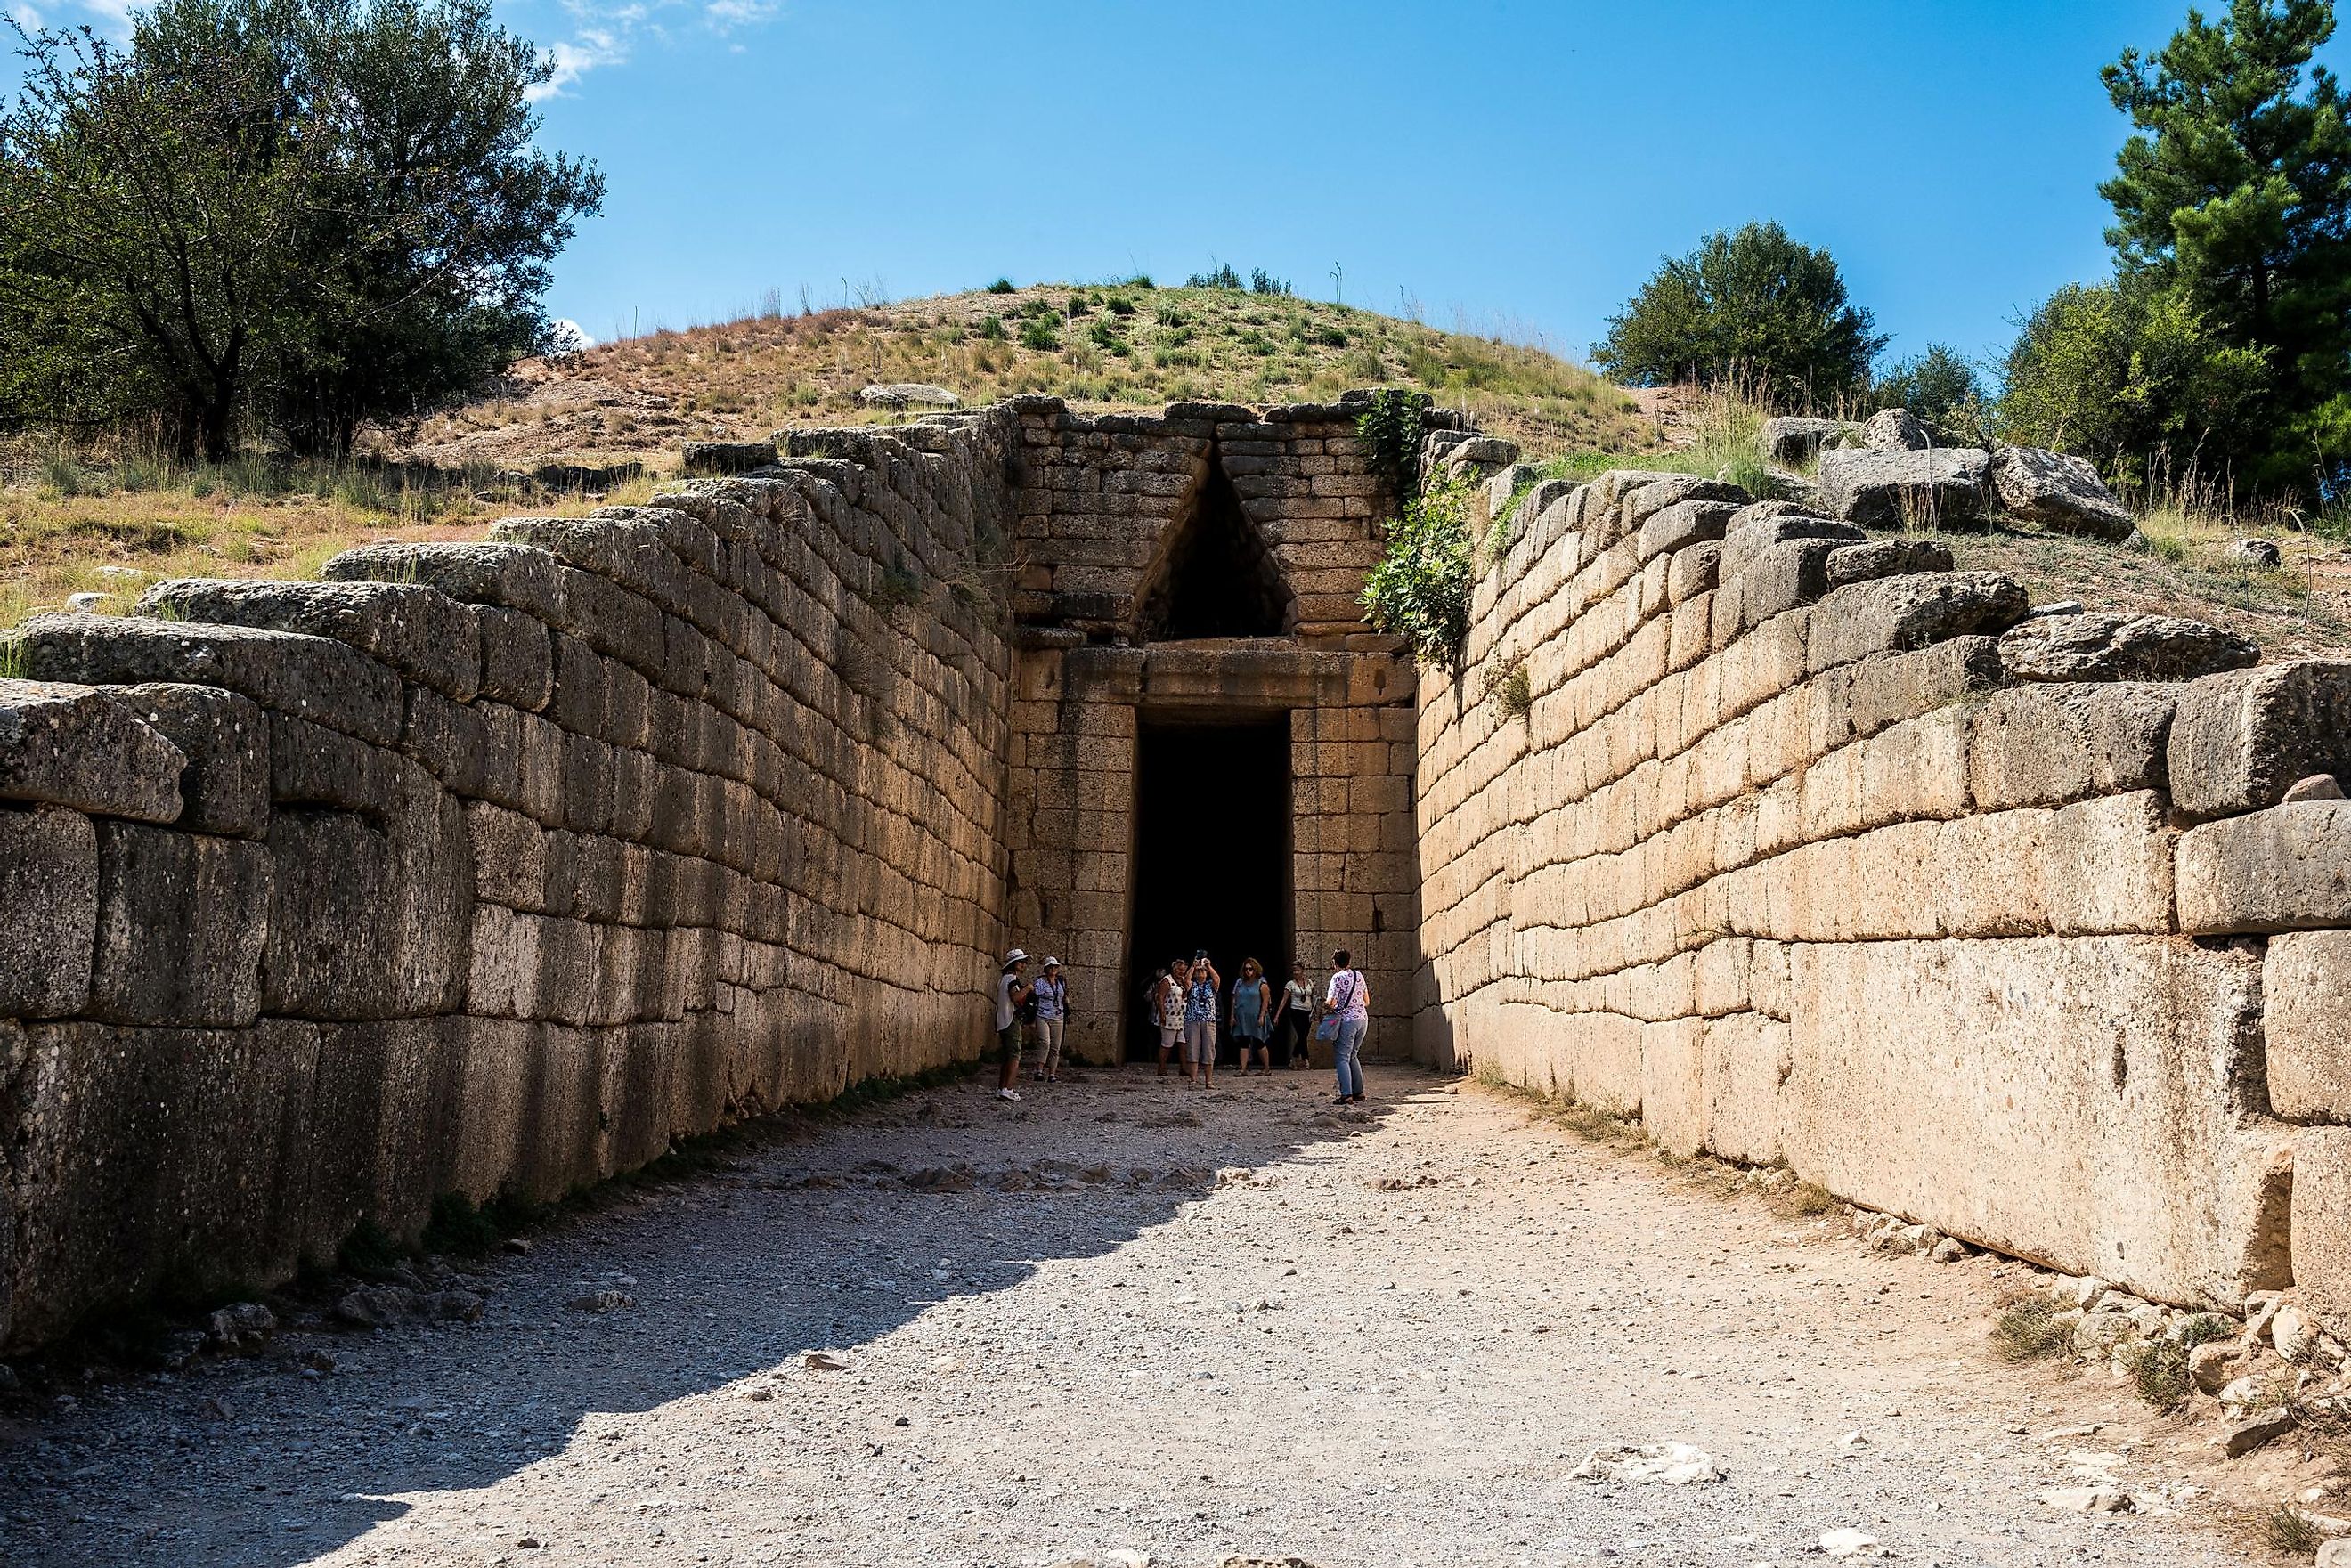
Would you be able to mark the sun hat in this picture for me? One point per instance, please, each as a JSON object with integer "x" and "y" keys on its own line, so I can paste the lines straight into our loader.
{"x": 1018, "y": 954}
{"x": 1051, "y": 962}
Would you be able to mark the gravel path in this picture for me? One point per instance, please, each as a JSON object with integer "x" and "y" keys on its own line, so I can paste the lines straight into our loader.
{"x": 1127, "y": 1315}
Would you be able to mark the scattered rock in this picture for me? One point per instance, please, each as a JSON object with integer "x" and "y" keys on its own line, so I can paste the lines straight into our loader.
{"x": 2292, "y": 1333}
{"x": 2334, "y": 1554}
{"x": 1951, "y": 1250}
{"x": 1849, "y": 1543}
{"x": 2063, "y": 494}
{"x": 457, "y": 1307}
{"x": 2260, "y": 554}
{"x": 517, "y": 1245}
{"x": 322, "y": 1361}
{"x": 1787, "y": 441}
{"x": 2211, "y": 1366}
{"x": 1662, "y": 1464}
{"x": 1894, "y": 430}
{"x": 2317, "y": 787}
{"x": 2243, "y": 1437}
{"x": 376, "y": 1306}
{"x": 605, "y": 1301}
{"x": 825, "y": 1361}
{"x": 85, "y": 603}
{"x": 2090, "y": 1500}
{"x": 242, "y": 1327}
{"x": 1117, "y": 1557}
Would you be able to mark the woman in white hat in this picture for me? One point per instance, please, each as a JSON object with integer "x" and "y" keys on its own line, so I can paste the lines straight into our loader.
{"x": 1011, "y": 996}
{"x": 1049, "y": 997}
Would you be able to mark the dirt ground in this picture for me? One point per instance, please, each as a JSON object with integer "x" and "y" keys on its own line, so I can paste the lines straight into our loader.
{"x": 1126, "y": 1316}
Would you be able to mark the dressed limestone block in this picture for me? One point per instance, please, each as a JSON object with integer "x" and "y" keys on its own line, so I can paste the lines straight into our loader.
{"x": 182, "y": 921}
{"x": 1774, "y": 580}
{"x": 1990, "y": 874}
{"x": 2306, "y": 1019}
{"x": 622, "y": 548}
{"x": 2107, "y": 868}
{"x": 369, "y": 915}
{"x": 1887, "y": 688}
{"x": 70, "y": 745}
{"x": 1905, "y": 488}
{"x": 2045, "y": 744}
{"x": 289, "y": 672}
{"x": 2241, "y": 739}
{"x": 48, "y": 907}
{"x": 1661, "y": 494}
{"x": 1886, "y": 558}
{"x": 517, "y": 577}
{"x": 2097, "y": 645}
{"x": 1898, "y": 613}
{"x": 420, "y": 632}
{"x": 147, "y": 1155}
{"x": 2322, "y": 1223}
{"x": 310, "y": 765}
{"x": 1754, "y": 530}
{"x": 517, "y": 658}
{"x": 2285, "y": 868}
{"x": 2092, "y": 1102}
{"x": 1673, "y": 1100}
{"x": 224, "y": 788}
{"x": 1745, "y": 1056}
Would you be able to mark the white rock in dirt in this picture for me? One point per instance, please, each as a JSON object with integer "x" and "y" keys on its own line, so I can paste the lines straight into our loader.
{"x": 2089, "y": 1500}
{"x": 1851, "y": 1544}
{"x": 2292, "y": 1333}
{"x": 1665, "y": 1464}
{"x": 2211, "y": 1366}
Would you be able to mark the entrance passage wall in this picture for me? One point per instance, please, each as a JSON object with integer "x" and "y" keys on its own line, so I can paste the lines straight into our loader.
{"x": 490, "y": 868}
{"x": 1793, "y": 857}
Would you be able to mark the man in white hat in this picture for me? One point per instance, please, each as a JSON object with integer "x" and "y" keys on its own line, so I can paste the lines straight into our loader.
{"x": 1011, "y": 995}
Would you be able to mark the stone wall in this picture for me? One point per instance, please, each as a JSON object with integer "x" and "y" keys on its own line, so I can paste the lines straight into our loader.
{"x": 492, "y": 868}
{"x": 1811, "y": 851}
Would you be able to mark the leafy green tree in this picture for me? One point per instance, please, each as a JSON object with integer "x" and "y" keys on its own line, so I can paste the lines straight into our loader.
{"x": 1931, "y": 386}
{"x": 280, "y": 214}
{"x": 1752, "y": 306}
{"x": 2235, "y": 191}
{"x": 2115, "y": 371}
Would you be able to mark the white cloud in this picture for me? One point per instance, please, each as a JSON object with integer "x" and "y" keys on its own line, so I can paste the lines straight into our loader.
{"x": 25, "y": 17}
{"x": 570, "y": 336}
{"x": 606, "y": 34}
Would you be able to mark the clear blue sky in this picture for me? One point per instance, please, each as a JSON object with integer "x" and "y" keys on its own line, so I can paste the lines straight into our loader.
{"x": 1519, "y": 166}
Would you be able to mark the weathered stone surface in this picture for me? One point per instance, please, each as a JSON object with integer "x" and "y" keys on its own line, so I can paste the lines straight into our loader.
{"x": 2098, "y": 645}
{"x": 69, "y": 746}
{"x": 291, "y": 673}
{"x": 224, "y": 786}
{"x": 2260, "y": 555}
{"x": 898, "y": 394}
{"x": 2322, "y": 1223}
{"x": 2119, "y": 1069}
{"x": 1940, "y": 486}
{"x": 2285, "y": 868}
{"x": 182, "y": 918}
{"x": 1749, "y": 536}
{"x": 2306, "y": 1017}
{"x": 2046, "y": 745}
{"x": 1681, "y": 525}
{"x": 723, "y": 457}
{"x": 48, "y": 907}
{"x": 1907, "y": 611}
{"x": 1886, "y": 558}
{"x": 2063, "y": 494}
{"x": 2242, "y": 739}
{"x": 1787, "y": 440}
{"x": 420, "y": 632}
{"x": 1894, "y": 430}
{"x": 517, "y": 577}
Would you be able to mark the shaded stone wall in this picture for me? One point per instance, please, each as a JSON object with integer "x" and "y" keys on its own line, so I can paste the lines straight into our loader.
{"x": 1104, "y": 506}
{"x": 491, "y": 868}
{"x": 1810, "y": 850}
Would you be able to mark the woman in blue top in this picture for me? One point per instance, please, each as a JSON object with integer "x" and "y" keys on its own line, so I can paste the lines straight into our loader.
{"x": 1050, "y": 996}
{"x": 1200, "y": 989}
{"x": 1251, "y": 1015}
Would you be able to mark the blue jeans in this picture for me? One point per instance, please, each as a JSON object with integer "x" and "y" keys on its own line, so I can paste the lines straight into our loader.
{"x": 1346, "y": 1054}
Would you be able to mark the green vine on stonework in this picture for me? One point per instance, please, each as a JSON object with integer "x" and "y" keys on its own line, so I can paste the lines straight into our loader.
{"x": 1391, "y": 428}
{"x": 1420, "y": 589}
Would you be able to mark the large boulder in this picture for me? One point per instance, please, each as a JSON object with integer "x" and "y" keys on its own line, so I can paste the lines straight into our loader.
{"x": 1789, "y": 441}
{"x": 1936, "y": 487}
{"x": 1894, "y": 430}
{"x": 2099, "y": 645}
{"x": 2063, "y": 494}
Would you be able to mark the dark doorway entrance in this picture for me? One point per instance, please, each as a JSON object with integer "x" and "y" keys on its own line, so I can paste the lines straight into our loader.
{"x": 1211, "y": 857}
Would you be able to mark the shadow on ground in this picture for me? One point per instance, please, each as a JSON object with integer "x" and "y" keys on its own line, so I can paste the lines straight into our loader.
{"x": 816, "y": 1238}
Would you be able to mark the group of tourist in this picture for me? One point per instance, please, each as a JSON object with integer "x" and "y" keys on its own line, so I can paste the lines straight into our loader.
{"x": 1186, "y": 1002}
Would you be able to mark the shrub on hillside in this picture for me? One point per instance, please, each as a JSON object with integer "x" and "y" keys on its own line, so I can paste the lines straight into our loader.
{"x": 1420, "y": 589}
{"x": 1753, "y": 307}
{"x": 1934, "y": 386}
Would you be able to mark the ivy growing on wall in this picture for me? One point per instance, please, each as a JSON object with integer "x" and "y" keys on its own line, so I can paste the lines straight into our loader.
{"x": 1390, "y": 429}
